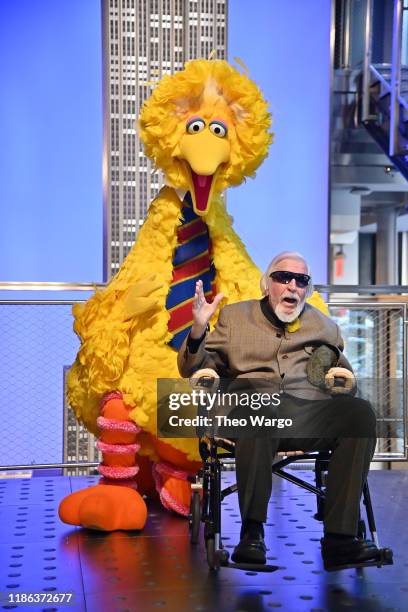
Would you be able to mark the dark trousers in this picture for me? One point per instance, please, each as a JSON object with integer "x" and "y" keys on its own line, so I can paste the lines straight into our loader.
{"x": 345, "y": 425}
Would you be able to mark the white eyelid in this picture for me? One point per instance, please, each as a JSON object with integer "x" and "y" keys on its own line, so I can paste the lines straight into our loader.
{"x": 218, "y": 129}
{"x": 195, "y": 126}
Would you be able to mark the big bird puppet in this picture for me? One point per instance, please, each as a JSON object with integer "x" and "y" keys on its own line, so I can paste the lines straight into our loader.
{"x": 207, "y": 127}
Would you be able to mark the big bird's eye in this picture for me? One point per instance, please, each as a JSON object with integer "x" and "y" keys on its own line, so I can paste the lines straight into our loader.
{"x": 218, "y": 128}
{"x": 195, "y": 125}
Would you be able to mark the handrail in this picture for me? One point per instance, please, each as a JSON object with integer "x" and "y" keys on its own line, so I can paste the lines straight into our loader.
{"x": 394, "y": 86}
{"x": 49, "y": 466}
{"x": 367, "y": 61}
{"x": 48, "y": 286}
{"x": 395, "y": 77}
{"x": 386, "y": 85}
{"x": 373, "y": 289}
{"x": 62, "y": 286}
{"x": 345, "y": 50}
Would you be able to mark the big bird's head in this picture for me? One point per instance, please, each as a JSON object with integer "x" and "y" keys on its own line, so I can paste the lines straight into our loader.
{"x": 206, "y": 127}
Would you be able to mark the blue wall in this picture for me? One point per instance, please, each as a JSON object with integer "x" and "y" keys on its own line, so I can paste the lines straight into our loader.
{"x": 51, "y": 132}
{"x": 51, "y": 140}
{"x": 286, "y": 47}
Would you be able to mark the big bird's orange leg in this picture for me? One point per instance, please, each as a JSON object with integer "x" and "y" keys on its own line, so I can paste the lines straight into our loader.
{"x": 114, "y": 503}
{"x": 171, "y": 477}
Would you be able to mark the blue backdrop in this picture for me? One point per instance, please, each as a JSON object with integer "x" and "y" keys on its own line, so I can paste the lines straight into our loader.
{"x": 286, "y": 46}
{"x": 51, "y": 140}
{"x": 51, "y": 130}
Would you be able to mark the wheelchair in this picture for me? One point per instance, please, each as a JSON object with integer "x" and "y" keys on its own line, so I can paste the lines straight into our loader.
{"x": 207, "y": 495}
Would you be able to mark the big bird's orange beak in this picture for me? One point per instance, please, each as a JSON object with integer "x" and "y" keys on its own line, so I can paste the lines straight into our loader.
{"x": 204, "y": 154}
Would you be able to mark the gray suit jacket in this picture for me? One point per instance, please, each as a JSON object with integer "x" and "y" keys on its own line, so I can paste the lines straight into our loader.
{"x": 246, "y": 344}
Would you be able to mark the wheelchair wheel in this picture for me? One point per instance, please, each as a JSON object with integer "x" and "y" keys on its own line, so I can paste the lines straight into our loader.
{"x": 195, "y": 516}
{"x": 223, "y": 556}
{"x": 213, "y": 558}
{"x": 387, "y": 556}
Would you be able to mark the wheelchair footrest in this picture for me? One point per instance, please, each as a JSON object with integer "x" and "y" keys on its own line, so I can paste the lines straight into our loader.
{"x": 384, "y": 557}
{"x": 252, "y": 567}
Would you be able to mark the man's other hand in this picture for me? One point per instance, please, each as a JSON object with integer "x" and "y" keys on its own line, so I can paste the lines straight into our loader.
{"x": 340, "y": 380}
{"x": 202, "y": 310}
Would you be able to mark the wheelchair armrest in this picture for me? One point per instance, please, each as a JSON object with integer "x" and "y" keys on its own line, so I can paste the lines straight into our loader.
{"x": 206, "y": 379}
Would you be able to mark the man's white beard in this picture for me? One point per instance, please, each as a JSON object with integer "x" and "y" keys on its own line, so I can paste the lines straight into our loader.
{"x": 289, "y": 318}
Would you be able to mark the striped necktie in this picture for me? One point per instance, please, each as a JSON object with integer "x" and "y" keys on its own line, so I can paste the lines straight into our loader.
{"x": 192, "y": 261}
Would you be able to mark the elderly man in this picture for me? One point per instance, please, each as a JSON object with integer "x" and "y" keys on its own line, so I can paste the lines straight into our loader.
{"x": 274, "y": 338}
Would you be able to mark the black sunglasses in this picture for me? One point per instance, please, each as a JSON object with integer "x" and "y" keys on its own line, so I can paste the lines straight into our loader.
{"x": 283, "y": 277}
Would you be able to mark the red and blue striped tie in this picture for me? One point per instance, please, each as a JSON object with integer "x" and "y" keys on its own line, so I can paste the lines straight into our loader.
{"x": 192, "y": 261}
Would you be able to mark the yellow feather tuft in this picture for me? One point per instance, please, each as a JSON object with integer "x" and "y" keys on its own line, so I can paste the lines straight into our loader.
{"x": 240, "y": 63}
{"x": 317, "y": 301}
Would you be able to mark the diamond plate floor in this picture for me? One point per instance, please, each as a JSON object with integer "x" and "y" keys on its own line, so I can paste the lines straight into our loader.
{"x": 126, "y": 572}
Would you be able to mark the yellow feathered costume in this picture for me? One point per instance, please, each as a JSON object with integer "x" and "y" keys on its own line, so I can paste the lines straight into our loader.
{"x": 209, "y": 120}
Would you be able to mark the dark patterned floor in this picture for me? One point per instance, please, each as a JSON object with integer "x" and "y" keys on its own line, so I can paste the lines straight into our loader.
{"x": 158, "y": 569}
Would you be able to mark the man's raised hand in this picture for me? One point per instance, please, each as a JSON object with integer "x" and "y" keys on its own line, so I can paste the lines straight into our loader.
{"x": 202, "y": 310}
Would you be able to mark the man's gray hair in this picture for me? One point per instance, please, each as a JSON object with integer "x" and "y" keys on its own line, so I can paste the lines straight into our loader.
{"x": 274, "y": 265}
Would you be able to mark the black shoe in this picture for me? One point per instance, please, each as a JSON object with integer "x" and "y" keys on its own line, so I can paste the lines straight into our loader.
{"x": 346, "y": 553}
{"x": 251, "y": 548}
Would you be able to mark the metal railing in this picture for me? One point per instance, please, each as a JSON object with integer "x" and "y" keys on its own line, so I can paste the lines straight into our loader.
{"x": 49, "y": 286}
{"x": 374, "y": 323}
{"x": 40, "y": 431}
{"x": 392, "y": 87}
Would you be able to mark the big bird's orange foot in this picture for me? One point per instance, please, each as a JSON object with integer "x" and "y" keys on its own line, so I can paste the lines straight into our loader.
{"x": 105, "y": 508}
